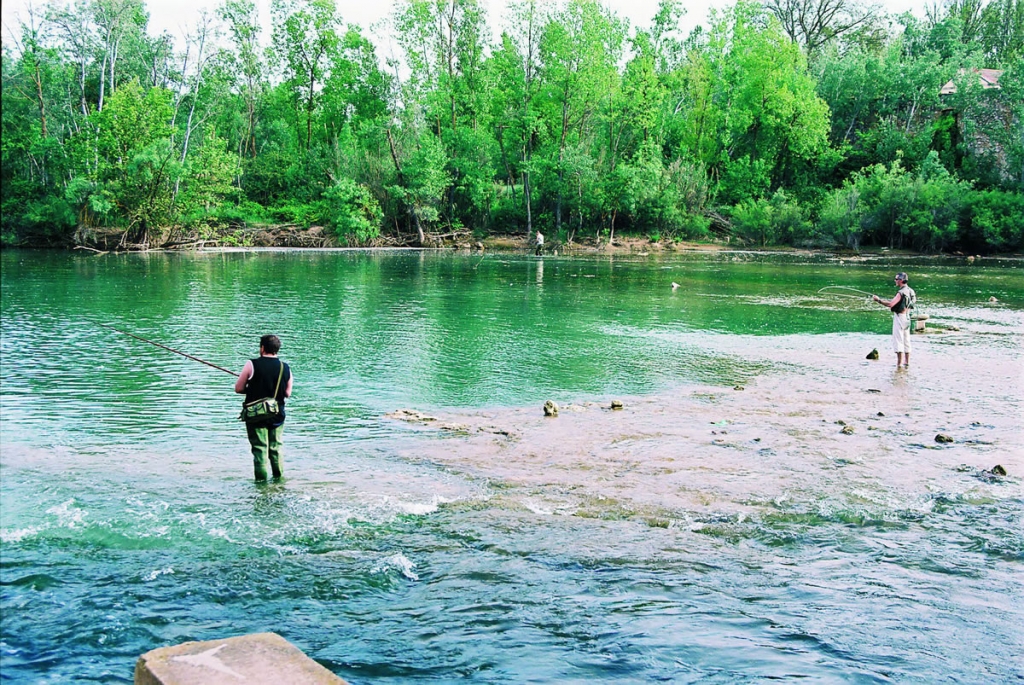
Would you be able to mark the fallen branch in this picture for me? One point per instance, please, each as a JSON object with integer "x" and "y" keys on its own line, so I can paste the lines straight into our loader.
{"x": 91, "y": 249}
{"x": 186, "y": 245}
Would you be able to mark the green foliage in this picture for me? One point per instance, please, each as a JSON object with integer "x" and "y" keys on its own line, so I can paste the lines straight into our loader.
{"x": 893, "y": 207}
{"x": 226, "y": 214}
{"x": 299, "y": 213}
{"x": 995, "y": 221}
{"x": 778, "y": 220}
{"x": 427, "y": 179}
{"x": 209, "y": 174}
{"x": 352, "y": 212}
{"x": 51, "y": 216}
{"x": 572, "y": 122}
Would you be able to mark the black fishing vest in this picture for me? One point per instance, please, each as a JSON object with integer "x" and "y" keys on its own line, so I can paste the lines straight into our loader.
{"x": 264, "y": 378}
{"x": 897, "y": 308}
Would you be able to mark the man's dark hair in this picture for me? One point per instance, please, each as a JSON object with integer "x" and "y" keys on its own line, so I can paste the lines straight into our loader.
{"x": 271, "y": 344}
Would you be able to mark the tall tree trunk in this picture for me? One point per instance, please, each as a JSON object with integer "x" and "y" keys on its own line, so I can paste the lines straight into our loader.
{"x": 526, "y": 197}
{"x": 309, "y": 112}
{"x": 39, "y": 97}
{"x": 103, "y": 81}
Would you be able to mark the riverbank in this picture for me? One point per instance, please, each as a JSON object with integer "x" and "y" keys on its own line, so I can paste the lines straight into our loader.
{"x": 316, "y": 237}
{"x": 295, "y": 236}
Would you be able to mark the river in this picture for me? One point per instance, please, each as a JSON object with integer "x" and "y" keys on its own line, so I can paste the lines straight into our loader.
{"x": 768, "y": 503}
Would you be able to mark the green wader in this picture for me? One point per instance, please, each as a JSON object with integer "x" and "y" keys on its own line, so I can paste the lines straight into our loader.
{"x": 266, "y": 443}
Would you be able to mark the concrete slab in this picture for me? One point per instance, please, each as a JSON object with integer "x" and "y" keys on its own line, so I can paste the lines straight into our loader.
{"x": 258, "y": 659}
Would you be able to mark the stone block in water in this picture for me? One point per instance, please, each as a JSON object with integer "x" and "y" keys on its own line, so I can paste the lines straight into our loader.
{"x": 258, "y": 659}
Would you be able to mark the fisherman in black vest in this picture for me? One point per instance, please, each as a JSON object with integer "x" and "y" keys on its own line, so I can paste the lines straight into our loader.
{"x": 266, "y": 377}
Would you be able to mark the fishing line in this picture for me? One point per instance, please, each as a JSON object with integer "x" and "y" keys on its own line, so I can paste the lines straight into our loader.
{"x": 844, "y": 287}
{"x": 850, "y": 296}
{"x": 169, "y": 349}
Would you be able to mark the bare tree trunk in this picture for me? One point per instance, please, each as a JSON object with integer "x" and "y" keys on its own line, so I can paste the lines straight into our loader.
{"x": 526, "y": 196}
{"x": 103, "y": 81}
{"x": 197, "y": 83}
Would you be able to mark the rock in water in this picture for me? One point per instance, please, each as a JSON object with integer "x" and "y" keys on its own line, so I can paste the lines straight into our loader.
{"x": 942, "y": 437}
{"x": 847, "y": 430}
{"x": 616, "y": 404}
{"x": 873, "y": 354}
{"x": 550, "y": 408}
{"x": 998, "y": 470}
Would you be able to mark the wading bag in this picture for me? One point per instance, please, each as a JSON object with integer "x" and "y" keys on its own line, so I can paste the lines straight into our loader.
{"x": 263, "y": 410}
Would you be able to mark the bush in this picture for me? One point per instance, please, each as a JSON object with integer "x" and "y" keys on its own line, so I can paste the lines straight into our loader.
{"x": 51, "y": 216}
{"x": 245, "y": 213}
{"x": 995, "y": 221}
{"x": 302, "y": 214}
{"x": 694, "y": 227}
{"x": 890, "y": 206}
{"x": 352, "y": 211}
{"x": 771, "y": 222}
{"x": 839, "y": 217}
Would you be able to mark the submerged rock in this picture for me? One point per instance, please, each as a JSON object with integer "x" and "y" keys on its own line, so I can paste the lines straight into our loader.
{"x": 847, "y": 430}
{"x": 409, "y": 415}
{"x": 942, "y": 437}
{"x": 996, "y": 473}
{"x": 550, "y": 408}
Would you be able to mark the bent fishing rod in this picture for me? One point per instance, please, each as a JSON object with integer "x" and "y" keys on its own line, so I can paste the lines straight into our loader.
{"x": 169, "y": 349}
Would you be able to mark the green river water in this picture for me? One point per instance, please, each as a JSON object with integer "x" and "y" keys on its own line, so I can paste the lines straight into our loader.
{"x": 719, "y": 529}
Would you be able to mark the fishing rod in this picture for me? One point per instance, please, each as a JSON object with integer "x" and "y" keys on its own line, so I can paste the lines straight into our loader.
{"x": 169, "y": 349}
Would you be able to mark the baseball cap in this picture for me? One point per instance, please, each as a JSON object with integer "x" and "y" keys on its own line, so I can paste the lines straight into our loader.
{"x": 902, "y": 276}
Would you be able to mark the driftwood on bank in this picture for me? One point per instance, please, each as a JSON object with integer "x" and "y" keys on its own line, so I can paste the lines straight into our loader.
{"x": 102, "y": 240}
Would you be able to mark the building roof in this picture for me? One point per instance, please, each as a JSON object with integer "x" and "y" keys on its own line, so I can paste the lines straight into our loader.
{"x": 988, "y": 78}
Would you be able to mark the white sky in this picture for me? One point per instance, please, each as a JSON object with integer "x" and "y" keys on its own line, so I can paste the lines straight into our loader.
{"x": 175, "y": 16}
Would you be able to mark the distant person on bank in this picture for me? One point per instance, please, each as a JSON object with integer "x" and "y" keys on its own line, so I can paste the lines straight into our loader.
{"x": 540, "y": 243}
{"x": 900, "y": 305}
{"x": 266, "y": 376}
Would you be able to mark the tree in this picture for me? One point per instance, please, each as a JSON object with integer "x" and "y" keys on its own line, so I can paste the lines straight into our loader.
{"x": 246, "y": 60}
{"x": 1002, "y": 32}
{"x": 305, "y": 38}
{"x": 757, "y": 116}
{"x": 117, "y": 21}
{"x": 816, "y": 23}
{"x": 518, "y": 80}
{"x": 138, "y": 165}
{"x": 580, "y": 48}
